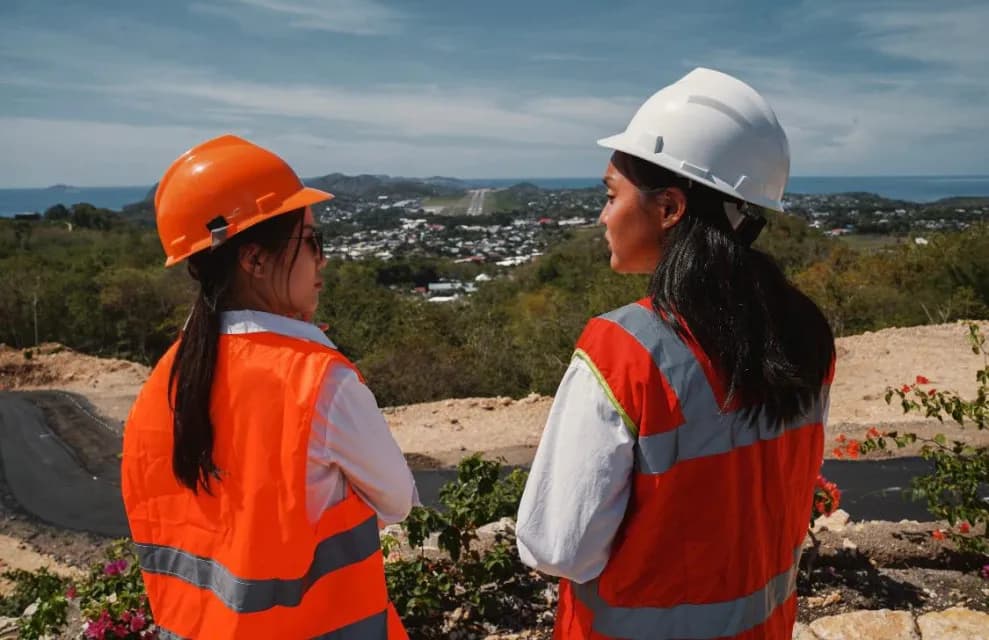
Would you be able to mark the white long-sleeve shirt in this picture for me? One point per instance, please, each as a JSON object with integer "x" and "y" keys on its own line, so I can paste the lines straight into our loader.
{"x": 349, "y": 440}
{"x": 579, "y": 485}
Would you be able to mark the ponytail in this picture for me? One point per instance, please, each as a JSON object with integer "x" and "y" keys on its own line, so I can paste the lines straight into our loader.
{"x": 190, "y": 381}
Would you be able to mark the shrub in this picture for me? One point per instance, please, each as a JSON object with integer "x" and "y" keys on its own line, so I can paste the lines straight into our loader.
{"x": 38, "y": 600}
{"x": 486, "y": 585}
{"x": 112, "y": 598}
{"x": 960, "y": 470}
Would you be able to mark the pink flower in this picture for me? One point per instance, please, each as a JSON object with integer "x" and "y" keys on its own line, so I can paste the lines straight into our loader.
{"x": 71, "y": 592}
{"x": 137, "y": 621}
{"x": 964, "y": 527}
{"x": 985, "y": 571}
{"x": 922, "y": 380}
{"x": 937, "y": 534}
{"x": 96, "y": 629}
{"x": 115, "y": 568}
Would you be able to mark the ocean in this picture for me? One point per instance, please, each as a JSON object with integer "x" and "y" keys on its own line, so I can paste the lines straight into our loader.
{"x": 910, "y": 188}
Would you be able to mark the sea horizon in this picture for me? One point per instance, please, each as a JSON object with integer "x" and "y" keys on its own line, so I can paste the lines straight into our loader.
{"x": 916, "y": 188}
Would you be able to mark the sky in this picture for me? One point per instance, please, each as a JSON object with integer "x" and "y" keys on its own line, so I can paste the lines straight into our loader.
{"x": 109, "y": 92}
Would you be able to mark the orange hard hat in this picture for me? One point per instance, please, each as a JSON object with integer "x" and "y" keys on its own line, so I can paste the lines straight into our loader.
{"x": 219, "y": 188}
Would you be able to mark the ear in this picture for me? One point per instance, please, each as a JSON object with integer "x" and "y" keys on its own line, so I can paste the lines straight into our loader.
{"x": 671, "y": 204}
{"x": 250, "y": 258}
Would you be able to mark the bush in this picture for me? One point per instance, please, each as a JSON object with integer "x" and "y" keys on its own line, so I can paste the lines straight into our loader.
{"x": 960, "y": 470}
{"x": 39, "y": 601}
{"x": 112, "y": 598}
{"x": 481, "y": 585}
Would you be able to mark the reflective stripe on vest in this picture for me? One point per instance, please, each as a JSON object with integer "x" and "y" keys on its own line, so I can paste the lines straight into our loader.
{"x": 690, "y": 621}
{"x": 250, "y": 596}
{"x": 371, "y": 628}
{"x": 706, "y": 430}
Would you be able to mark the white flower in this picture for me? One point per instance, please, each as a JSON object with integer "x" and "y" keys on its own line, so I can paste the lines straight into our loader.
{"x": 112, "y": 598}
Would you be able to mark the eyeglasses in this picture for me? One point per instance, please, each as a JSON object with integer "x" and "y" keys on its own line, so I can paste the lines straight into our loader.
{"x": 315, "y": 241}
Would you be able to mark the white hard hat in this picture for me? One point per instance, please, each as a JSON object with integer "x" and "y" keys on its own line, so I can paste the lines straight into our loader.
{"x": 716, "y": 130}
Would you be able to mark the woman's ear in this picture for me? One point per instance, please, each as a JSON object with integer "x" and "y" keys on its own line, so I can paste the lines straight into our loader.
{"x": 251, "y": 260}
{"x": 671, "y": 204}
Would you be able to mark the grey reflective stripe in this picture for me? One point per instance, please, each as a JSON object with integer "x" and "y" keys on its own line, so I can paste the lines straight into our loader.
{"x": 250, "y": 596}
{"x": 689, "y": 621}
{"x": 706, "y": 430}
{"x": 373, "y": 627}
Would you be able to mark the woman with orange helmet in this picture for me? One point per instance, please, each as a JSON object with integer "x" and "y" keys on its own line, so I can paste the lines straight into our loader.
{"x": 257, "y": 467}
{"x": 672, "y": 487}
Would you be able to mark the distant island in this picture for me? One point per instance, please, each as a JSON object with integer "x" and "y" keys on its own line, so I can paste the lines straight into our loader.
{"x": 61, "y": 187}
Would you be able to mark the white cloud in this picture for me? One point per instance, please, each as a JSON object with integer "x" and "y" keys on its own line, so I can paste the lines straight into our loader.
{"x": 46, "y": 151}
{"x": 87, "y": 153}
{"x": 413, "y": 113}
{"x": 355, "y": 17}
{"x": 919, "y": 119}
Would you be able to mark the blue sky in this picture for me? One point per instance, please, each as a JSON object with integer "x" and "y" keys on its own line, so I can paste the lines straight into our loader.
{"x": 108, "y": 92}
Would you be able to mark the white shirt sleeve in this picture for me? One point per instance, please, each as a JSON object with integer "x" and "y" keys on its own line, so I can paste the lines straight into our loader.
{"x": 350, "y": 435}
{"x": 578, "y": 489}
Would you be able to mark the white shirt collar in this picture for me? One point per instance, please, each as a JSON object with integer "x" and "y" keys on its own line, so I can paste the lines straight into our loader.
{"x": 250, "y": 321}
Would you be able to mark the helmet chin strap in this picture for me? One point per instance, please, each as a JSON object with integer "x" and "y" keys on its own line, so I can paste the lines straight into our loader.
{"x": 746, "y": 226}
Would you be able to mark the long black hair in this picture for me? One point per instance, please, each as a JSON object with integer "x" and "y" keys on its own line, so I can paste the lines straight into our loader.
{"x": 190, "y": 381}
{"x": 768, "y": 341}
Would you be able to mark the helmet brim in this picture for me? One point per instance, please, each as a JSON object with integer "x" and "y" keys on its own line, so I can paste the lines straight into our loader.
{"x": 304, "y": 197}
{"x": 627, "y": 144}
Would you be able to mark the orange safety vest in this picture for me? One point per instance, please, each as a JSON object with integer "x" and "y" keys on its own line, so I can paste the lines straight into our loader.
{"x": 718, "y": 509}
{"x": 246, "y": 562}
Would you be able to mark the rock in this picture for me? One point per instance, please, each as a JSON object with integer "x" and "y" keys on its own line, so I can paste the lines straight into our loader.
{"x": 802, "y": 632}
{"x": 872, "y": 625}
{"x": 505, "y": 526}
{"x": 393, "y": 530}
{"x": 954, "y": 624}
{"x": 532, "y": 398}
{"x": 834, "y": 522}
{"x": 8, "y": 629}
{"x": 815, "y": 602}
{"x": 848, "y": 545}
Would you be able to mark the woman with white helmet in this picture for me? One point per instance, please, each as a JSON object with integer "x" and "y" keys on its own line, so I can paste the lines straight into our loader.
{"x": 672, "y": 487}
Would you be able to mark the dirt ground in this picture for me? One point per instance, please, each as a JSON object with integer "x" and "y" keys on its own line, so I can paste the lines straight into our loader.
{"x": 441, "y": 433}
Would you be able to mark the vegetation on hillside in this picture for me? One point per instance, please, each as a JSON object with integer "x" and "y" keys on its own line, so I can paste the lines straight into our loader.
{"x": 91, "y": 279}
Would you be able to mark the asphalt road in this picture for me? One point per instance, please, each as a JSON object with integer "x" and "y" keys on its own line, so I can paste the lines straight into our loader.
{"x": 49, "y": 478}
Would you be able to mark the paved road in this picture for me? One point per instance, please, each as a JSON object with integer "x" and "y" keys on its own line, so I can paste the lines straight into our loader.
{"x": 49, "y": 480}
{"x": 870, "y": 490}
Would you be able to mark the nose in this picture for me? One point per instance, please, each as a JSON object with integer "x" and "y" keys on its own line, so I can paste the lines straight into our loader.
{"x": 602, "y": 218}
